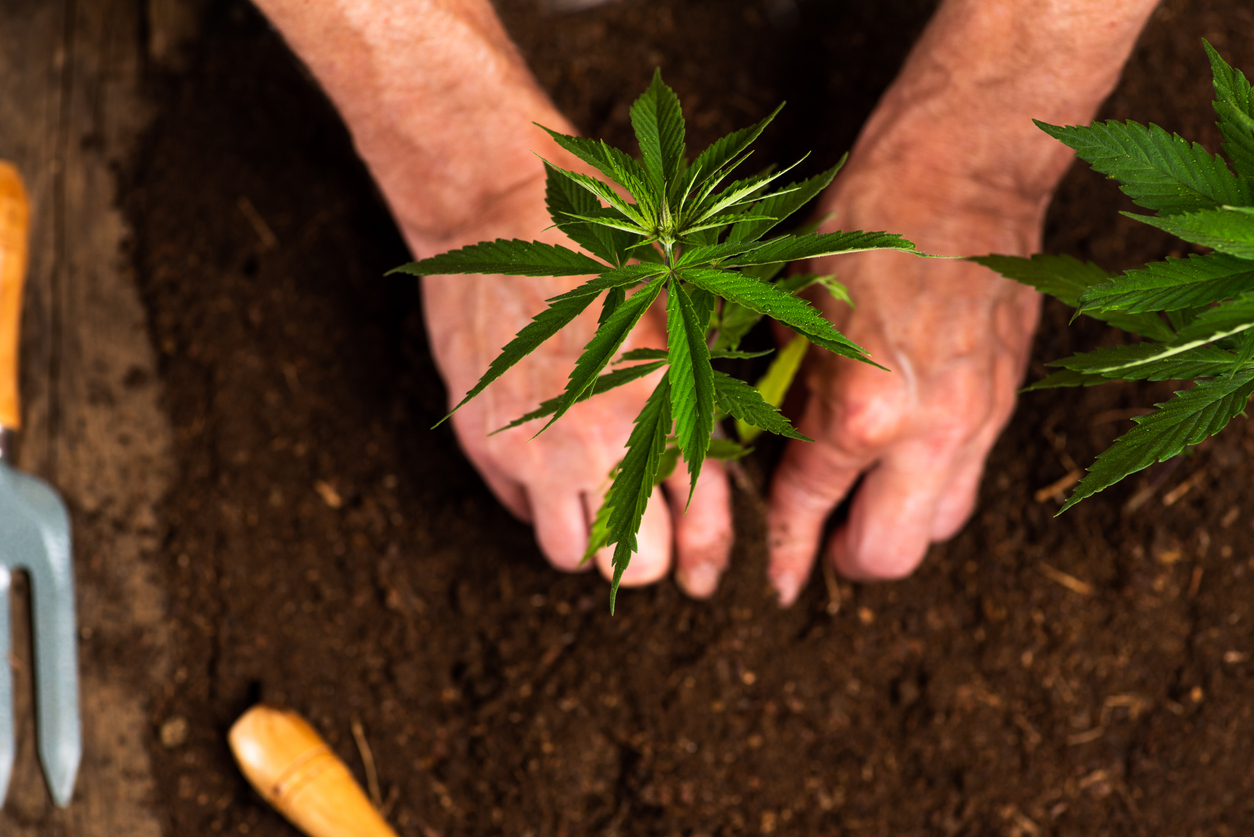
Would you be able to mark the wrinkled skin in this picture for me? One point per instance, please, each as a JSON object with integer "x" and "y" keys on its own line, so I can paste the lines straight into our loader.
{"x": 441, "y": 108}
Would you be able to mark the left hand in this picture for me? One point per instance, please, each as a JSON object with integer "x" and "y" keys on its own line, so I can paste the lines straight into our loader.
{"x": 956, "y": 338}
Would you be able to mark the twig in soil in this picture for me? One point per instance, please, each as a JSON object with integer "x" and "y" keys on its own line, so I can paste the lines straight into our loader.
{"x": 367, "y": 760}
{"x": 268, "y": 239}
{"x": 1085, "y": 737}
{"x": 1067, "y": 580}
{"x": 1164, "y": 470}
{"x": 1195, "y": 584}
{"x": 1054, "y": 490}
{"x": 833, "y": 588}
{"x": 1170, "y": 498}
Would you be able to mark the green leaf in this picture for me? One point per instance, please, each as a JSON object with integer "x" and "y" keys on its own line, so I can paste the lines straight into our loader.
{"x": 715, "y": 160}
{"x": 636, "y": 476}
{"x": 1147, "y": 362}
{"x": 719, "y": 221}
{"x": 605, "y": 383}
{"x": 1067, "y": 378}
{"x": 1223, "y": 320}
{"x": 719, "y": 354}
{"x": 619, "y": 277}
{"x": 1234, "y": 102}
{"x": 774, "y": 385}
{"x": 1062, "y": 277}
{"x": 600, "y": 534}
{"x": 790, "y": 248}
{"x": 726, "y": 449}
{"x": 616, "y": 297}
{"x": 740, "y": 191}
{"x": 1189, "y": 418}
{"x": 659, "y": 125}
{"x": 705, "y": 255}
{"x": 670, "y": 459}
{"x": 543, "y": 326}
{"x": 611, "y": 162}
{"x": 564, "y": 199}
{"x": 1159, "y": 171}
{"x": 506, "y": 258}
{"x": 1227, "y": 230}
{"x": 692, "y": 386}
{"x": 764, "y": 298}
{"x": 604, "y": 345}
{"x": 782, "y": 204}
{"x": 1173, "y": 284}
{"x": 1067, "y": 279}
{"x": 743, "y": 402}
{"x": 633, "y": 212}
{"x": 643, "y": 354}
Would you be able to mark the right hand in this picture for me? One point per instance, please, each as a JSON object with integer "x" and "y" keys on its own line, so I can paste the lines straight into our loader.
{"x": 557, "y": 480}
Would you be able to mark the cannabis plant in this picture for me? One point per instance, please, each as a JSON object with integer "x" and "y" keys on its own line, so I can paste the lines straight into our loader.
{"x": 1195, "y": 315}
{"x": 678, "y": 230}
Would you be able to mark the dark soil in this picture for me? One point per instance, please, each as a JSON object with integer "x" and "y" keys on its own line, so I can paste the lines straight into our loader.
{"x": 326, "y": 551}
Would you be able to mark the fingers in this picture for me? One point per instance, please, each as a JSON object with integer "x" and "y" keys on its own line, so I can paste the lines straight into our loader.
{"x": 653, "y": 559}
{"x": 811, "y": 480}
{"x": 561, "y": 526}
{"x": 703, "y": 530}
{"x": 891, "y": 520}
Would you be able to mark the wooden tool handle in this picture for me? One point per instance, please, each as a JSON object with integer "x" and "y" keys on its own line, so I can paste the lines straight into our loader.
{"x": 294, "y": 770}
{"x": 14, "y": 223}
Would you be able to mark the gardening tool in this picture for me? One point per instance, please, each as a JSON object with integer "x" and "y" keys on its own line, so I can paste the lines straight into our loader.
{"x": 34, "y": 536}
{"x": 295, "y": 771}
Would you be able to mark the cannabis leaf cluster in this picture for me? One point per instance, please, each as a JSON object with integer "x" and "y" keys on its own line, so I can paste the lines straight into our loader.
{"x": 679, "y": 229}
{"x": 1195, "y": 315}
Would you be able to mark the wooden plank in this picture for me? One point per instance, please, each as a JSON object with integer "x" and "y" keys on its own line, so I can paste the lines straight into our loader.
{"x": 70, "y": 113}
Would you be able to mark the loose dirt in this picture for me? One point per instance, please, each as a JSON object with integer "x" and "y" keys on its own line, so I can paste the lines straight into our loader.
{"x": 1088, "y": 675}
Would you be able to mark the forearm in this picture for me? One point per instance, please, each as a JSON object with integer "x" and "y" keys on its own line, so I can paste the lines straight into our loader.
{"x": 439, "y": 103}
{"x": 960, "y": 114}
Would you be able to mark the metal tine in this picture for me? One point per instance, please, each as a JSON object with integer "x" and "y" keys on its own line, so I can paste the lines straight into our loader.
{"x": 38, "y": 541}
{"x": 7, "y": 746}
{"x": 56, "y": 659}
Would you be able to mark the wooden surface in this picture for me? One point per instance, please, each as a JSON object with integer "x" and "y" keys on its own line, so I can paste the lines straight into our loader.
{"x": 70, "y": 115}
{"x": 14, "y": 232}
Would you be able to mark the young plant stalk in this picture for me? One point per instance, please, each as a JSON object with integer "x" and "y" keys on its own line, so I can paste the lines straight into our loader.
{"x": 1195, "y": 315}
{"x": 684, "y": 231}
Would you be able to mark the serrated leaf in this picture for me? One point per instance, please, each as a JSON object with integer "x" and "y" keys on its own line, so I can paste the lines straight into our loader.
{"x": 1146, "y": 362}
{"x": 740, "y": 191}
{"x": 564, "y": 198}
{"x": 1159, "y": 171}
{"x": 1227, "y": 229}
{"x": 642, "y": 354}
{"x": 1189, "y": 418}
{"x": 619, "y": 277}
{"x": 774, "y": 385}
{"x": 692, "y": 387}
{"x": 604, "y": 345}
{"x": 783, "y": 204}
{"x": 726, "y": 449}
{"x": 659, "y": 125}
{"x": 543, "y": 326}
{"x": 613, "y": 163}
{"x": 711, "y": 254}
{"x": 605, "y": 192}
{"x": 670, "y": 460}
{"x": 718, "y": 222}
{"x": 637, "y": 474}
{"x": 720, "y": 354}
{"x": 1224, "y": 320}
{"x": 1234, "y": 102}
{"x": 1173, "y": 284}
{"x": 1067, "y": 378}
{"x": 599, "y": 533}
{"x": 605, "y": 383}
{"x": 614, "y": 298}
{"x": 1066, "y": 279}
{"x": 506, "y": 257}
{"x": 744, "y": 403}
{"x": 790, "y": 248}
{"x": 715, "y": 160}
{"x": 766, "y": 299}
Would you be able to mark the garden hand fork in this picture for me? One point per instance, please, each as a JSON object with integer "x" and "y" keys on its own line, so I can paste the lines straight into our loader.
{"x": 34, "y": 536}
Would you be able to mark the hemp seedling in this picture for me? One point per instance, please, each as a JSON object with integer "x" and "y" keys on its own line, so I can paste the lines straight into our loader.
{"x": 1195, "y": 315}
{"x": 683, "y": 232}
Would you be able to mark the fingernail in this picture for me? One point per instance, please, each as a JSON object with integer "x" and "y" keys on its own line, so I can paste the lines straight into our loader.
{"x": 788, "y": 586}
{"x": 701, "y": 580}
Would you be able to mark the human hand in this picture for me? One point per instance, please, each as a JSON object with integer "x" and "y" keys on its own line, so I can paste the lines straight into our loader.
{"x": 557, "y": 480}
{"x": 956, "y": 338}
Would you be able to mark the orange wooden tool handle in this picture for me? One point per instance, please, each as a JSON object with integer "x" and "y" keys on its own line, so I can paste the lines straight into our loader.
{"x": 294, "y": 770}
{"x": 14, "y": 224}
